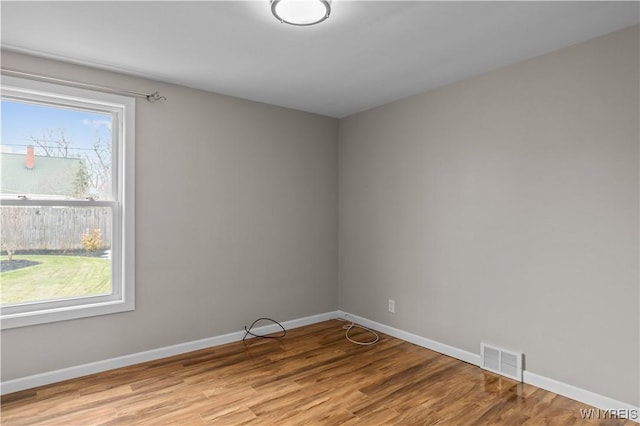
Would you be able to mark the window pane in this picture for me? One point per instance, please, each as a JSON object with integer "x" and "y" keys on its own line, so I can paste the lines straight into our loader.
{"x": 54, "y": 253}
{"x": 55, "y": 153}
{"x": 66, "y": 217}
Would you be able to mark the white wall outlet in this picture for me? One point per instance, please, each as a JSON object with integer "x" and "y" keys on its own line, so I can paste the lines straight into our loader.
{"x": 392, "y": 306}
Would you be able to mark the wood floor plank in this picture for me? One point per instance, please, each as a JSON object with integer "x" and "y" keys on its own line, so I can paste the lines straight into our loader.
{"x": 312, "y": 376}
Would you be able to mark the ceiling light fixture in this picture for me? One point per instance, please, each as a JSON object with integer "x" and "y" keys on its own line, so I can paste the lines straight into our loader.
{"x": 301, "y": 12}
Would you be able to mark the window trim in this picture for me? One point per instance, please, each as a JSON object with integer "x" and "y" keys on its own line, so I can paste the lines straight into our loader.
{"x": 122, "y": 298}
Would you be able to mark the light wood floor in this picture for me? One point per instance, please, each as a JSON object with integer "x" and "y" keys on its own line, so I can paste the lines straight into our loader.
{"x": 312, "y": 376}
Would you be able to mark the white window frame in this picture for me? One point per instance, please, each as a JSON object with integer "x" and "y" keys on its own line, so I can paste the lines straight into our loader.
{"x": 122, "y": 109}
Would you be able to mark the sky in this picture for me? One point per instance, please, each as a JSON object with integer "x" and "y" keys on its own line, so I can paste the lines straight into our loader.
{"x": 21, "y": 121}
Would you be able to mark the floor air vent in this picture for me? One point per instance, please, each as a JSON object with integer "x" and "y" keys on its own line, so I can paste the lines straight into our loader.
{"x": 501, "y": 361}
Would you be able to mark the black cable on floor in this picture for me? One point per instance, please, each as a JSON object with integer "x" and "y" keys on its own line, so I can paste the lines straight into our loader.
{"x": 248, "y": 330}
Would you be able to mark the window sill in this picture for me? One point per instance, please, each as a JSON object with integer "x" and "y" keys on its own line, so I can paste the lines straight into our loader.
{"x": 66, "y": 313}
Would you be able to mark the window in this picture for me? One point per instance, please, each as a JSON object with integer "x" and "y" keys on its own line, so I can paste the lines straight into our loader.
{"x": 66, "y": 203}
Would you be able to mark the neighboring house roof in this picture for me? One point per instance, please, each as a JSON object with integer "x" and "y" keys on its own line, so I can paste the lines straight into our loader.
{"x": 48, "y": 176}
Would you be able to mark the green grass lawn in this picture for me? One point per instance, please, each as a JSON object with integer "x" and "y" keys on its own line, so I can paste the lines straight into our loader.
{"x": 55, "y": 277}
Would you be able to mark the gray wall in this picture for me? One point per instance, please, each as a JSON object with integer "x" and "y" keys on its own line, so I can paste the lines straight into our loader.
{"x": 236, "y": 218}
{"x": 504, "y": 209}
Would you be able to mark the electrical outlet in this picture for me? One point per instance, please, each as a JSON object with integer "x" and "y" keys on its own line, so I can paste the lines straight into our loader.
{"x": 392, "y": 306}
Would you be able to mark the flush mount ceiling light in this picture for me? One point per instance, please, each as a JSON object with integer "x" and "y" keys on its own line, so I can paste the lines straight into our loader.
{"x": 301, "y": 12}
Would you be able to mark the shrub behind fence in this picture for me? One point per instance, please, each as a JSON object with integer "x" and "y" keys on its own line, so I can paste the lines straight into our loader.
{"x": 52, "y": 228}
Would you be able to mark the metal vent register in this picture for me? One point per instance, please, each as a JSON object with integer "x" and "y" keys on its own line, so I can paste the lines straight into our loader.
{"x": 501, "y": 361}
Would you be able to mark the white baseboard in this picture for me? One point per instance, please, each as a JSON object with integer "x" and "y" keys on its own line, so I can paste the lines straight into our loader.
{"x": 582, "y": 395}
{"x": 578, "y": 394}
{"x": 55, "y": 376}
{"x": 451, "y": 351}
{"x": 587, "y": 397}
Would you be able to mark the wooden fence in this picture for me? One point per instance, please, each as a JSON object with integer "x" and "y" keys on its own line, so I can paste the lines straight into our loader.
{"x": 52, "y": 228}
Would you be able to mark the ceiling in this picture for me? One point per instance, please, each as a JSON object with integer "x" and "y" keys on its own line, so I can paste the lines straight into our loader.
{"x": 366, "y": 54}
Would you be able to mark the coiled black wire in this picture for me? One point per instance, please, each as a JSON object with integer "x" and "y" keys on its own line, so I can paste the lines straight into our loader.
{"x": 247, "y": 331}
